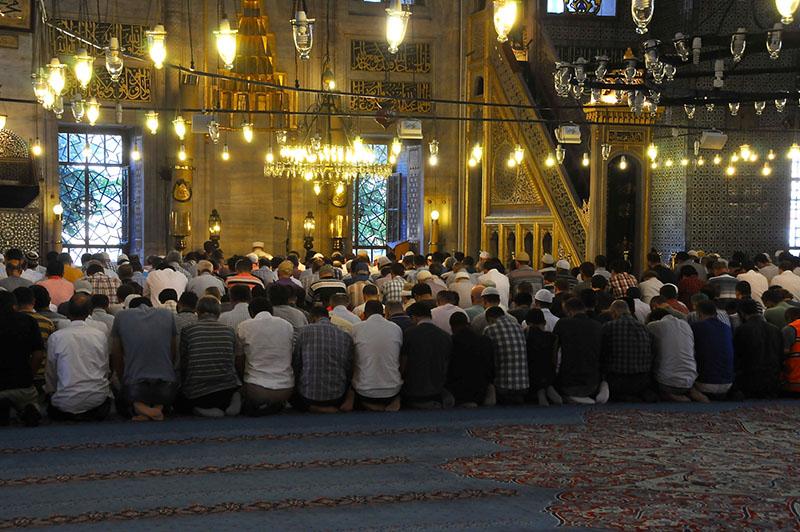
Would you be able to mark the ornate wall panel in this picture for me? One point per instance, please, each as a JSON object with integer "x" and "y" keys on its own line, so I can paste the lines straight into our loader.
{"x": 20, "y": 228}
{"x": 15, "y": 159}
{"x": 510, "y": 186}
{"x": 374, "y": 56}
{"x": 136, "y": 82}
{"x": 378, "y": 88}
{"x": 668, "y": 200}
{"x": 416, "y": 190}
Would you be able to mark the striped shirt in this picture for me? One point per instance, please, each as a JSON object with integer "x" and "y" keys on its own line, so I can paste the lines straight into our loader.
{"x": 46, "y": 328}
{"x": 207, "y": 358}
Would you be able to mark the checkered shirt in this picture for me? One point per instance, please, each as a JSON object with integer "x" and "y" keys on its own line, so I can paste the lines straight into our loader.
{"x": 620, "y": 282}
{"x": 510, "y": 354}
{"x": 627, "y": 347}
{"x": 393, "y": 290}
{"x": 322, "y": 361}
{"x": 103, "y": 284}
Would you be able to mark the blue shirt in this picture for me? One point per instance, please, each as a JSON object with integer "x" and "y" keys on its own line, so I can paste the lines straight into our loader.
{"x": 713, "y": 351}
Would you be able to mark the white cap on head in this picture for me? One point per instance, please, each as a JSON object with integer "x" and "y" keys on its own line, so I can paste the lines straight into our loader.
{"x": 383, "y": 260}
{"x": 545, "y": 296}
{"x": 253, "y": 257}
{"x": 258, "y": 245}
{"x": 490, "y": 291}
{"x": 318, "y": 256}
{"x": 485, "y": 255}
{"x": 424, "y": 275}
{"x": 692, "y": 253}
{"x": 548, "y": 259}
{"x": 563, "y": 264}
{"x": 408, "y": 254}
{"x": 462, "y": 275}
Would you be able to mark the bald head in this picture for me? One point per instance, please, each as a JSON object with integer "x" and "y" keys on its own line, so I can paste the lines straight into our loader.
{"x": 475, "y": 294}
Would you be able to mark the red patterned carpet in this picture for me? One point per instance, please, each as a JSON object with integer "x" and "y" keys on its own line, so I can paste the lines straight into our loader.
{"x": 633, "y": 469}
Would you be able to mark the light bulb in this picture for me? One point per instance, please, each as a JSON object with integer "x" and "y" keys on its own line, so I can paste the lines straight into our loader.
{"x": 136, "y": 155}
{"x": 247, "y": 132}
{"x": 392, "y": 158}
{"x": 735, "y": 158}
{"x": 753, "y": 157}
{"x": 179, "y": 125}
{"x": 771, "y": 155}
{"x": 434, "y": 215}
{"x": 83, "y": 67}
{"x": 226, "y": 155}
{"x": 309, "y": 175}
{"x": 151, "y": 121}
{"x": 58, "y": 106}
{"x": 226, "y": 42}
{"x": 717, "y": 159}
{"x": 654, "y": 165}
{"x": 730, "y": 170}
{"x": 652, "y": 152}
{"x": 397, "y": 146}
{"x": 511, "y": 162}
{"x": 36, "y": 148}
{"x": 339, "y": 188}
{"x": 317, "y": 188}
{"x": 477, "y": 152}
{"x": 668, "y": 163}
{"x": 744, "y": 152}
{"x": 156, "y": 42}
{"x": 433, "y": 160}
{"x": 623, "y": 163}
{"x": 58, "y": 210}
{"x": 700, "y": 161}
{"x": 766, "y": 170}
{"x": 328, "y": 80}
{"x": 78, "y": 108}
{"x": 269, "y": 158}
{"x": 684, "y": 161}
{"x": 87, "y": 151}
{"x": 396, "y": 25}
{"x": 794, "y": 152}
{"x": 48, "y": 98}
{"x": 519, "y": 154}
{"x": 505, "y": 16}
{"x": 182, "y": 153}
{"x": 550, "y": 161}
{"x": 472, "y": 163}
{"x": 787, "y": 8}
{"x": 55, "y": 76}
{"x": 642, "y": 13}
{"x": 585, "y": 160}
{"x": 92, "y": 110}
{"x": 118, "y": 112}
{"x": 114, "y": 62}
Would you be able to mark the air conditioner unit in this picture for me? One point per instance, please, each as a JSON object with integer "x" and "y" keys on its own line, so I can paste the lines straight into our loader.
{"x": 568, "y": 134}
{"x": 713, "y": 140}
{"x": 409, "y": 129}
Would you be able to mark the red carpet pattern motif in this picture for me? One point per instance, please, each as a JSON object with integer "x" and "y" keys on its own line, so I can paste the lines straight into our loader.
{"x": 633, "y": 469}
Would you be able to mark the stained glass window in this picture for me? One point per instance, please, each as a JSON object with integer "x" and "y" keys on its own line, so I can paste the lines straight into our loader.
{"x": 601, "y": 8}
{"x": 369, "y": 208}
{"x": 93, "y": 177}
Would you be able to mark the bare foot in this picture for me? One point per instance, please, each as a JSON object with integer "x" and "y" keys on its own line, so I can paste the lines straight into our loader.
{"x": 698, "y": 396}
{"x": 155, "y": 413}
{"x": 323, "y": 409}
{"x": 349, "y": 399}
{"x": 140, "y": 418}
{"x": 394, "y": 406}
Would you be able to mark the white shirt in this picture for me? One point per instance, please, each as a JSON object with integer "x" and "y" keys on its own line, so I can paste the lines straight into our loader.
{"x": 550, "y": 319}
{"x": 500, "y": 282}
{"x": 650, "y": 289}
{"x": 788, "y": 281}
{"x": 158, "y": 280}
{"x": 376, "y": 366}
{"x": 758, "y": 283}
{"x": 641, "y": 310}
{"x": 441, "y": 316}
{"x": 34, "y": 276}
{"x": 341, "y": 312}
{"x": 199, "y": 284}
{"x": 463, "y": 287}
{"x": 267, "y": 343}
{"x": 100, "y": 315}
{"x": 674, "y": 364}
{"x": 235, "y": 316}
{"x": 78, "y": 368}
{"x": 769, "y": 271}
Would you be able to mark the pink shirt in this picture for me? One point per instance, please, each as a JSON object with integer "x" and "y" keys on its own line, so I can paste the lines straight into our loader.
{"x": 60, "y": 289}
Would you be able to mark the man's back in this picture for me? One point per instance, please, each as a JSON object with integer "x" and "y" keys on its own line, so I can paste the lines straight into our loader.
{"x": 525, "y": 274}
{"x": 377, "y": 357}
{"x": 758, "y": 348}
{"x": 291, "y": 314}
{"x": 267, "y": 342}
{"x": 471, "y": 366}
{"x": 78, "y": 367}
{"x": 580, "y": 340}
{"x": 510, "y": 354}
{"x": 199, "y": 284}
{"x": 674, "y": 363}
{"x": 323, "y": 361}
{"x": 19, "y": 336}
{"x": 713, "y": 348}
{"x": 627, "y": 347}
{"x": 426, "y": 350}
{"x": 146, "y": 335}
{"x": 207, "y": 358}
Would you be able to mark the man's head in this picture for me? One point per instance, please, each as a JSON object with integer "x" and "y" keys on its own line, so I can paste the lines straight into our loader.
{"x": 187, "y": 302}
{"x": 393, "y": 308}
{"x": 370, "y": 292}
{"x": 65, "y": 259}
{"x": 339, "y": 300}
{"x": 32, "y": 259}
{"x": 446, "y": 297}
{"x": 761, "y": 260}
{"x": 458, "y": 322}
{"x": 317, "y": 313}
{"x": 772, "y": 297}
{"x": 398, "y": 270}
{"x": 786, "y": 266}
{"x": 14, "y": 269}
{"x": 621, "y": 266}
{"x": 706, "y": 309}
{"x": 792, "y": 314}
{"x": 668, "y": 291}
{"x": 259, "y": 305}
{"x": 490, "y": 297}
{"x": 372, "y": 308}
{"x": 100, "y": 302}
{"x": 619, "y": 308}
{"x": 543, "y": 298}
{"x": 243, "y": 266}
{"x": 285, "y": 269}
{"x": 493, "y": 314}
{"x": 41, "y": 297}
{"x": 204, "y": 266}
{"x": 80, "y": 307}
{"x": 475, "y": 294}
{"x": 8, "y": 303}
{"x": 239, "y": 293}
{"x": 279, "y": 294}
{"x": 94, "y": 268}
{"x": 140, "y": 302}
{"x": 522, "y": 259}
{"x": 25, "y": 298}
{"x": 653, "y": 259}
{"x": 587, "y": 271}
{"x": 208, "y": 307}
{"x": 419, "y": 312}
{"x": 55, "y": 269}
{"x": 523, "y": 300}
{"x": 326, "y": 272}
{"x": 748, "y": 308}
{"x": 422, "y": 292}
{"x": 719, "y": 267}
{"x": 573, "y": 307}
{"x": 599, "y": 283}
{"x": 535, "y": 318}
{"x": 167, "y": 294}
{"x": 743, "y": 290}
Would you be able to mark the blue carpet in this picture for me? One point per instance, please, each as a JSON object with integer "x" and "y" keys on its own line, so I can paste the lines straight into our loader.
{"x": 288, "y": 472}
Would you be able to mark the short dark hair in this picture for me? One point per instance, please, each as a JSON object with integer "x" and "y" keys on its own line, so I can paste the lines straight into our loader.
{"x": 574, "y": 305}
{"x": 772, "y": 295}
{"x": 634, "y": 292}
{"x": 657, "y": 314}
{"x": 54, "y": 267}
{"x": 373, "y": 307}
{"x": 420, "y": 289}
{"x": 535, "y": 316}
{"x": 743, "y": 287}
{"x": 398, "y": 269}
{"x": 124, "y": 290}
{"x": 523, "y": 299}
{"x": 494, "y": 313}
{"x": 706, "y": 308}
{"x": 318, "y": 311}
{"x": 24, "y": 296}
{"x": 259, "y": 304}
{"x": 458, "y": 319}
{"x": 369, "y": 290}
{"x": 599, "y": 282}
{"x": 100, "y": 301}
{"x": 94, "y": 268}
{"x": 419, "y": 310}
{"x": 80, "y": 306}
{"x": 41, "y": 296}
{"x": 208, "y": 305}
{"x": 139, "y": 301}
{"x": 243, "y": 265}
{"x": 447, "y": 296}
{"x": 279, "y": 294}
{"x": 748, "y": 307}
{"x": 791, "y": 314}
{"x": 188, "y": 300}
{"x": 7, "y": 302}
{"x": 167, "y": 294}
{"x": 587, "y": 269}
{"x": 668, "y": 291}
{"x": 240, "y": 293}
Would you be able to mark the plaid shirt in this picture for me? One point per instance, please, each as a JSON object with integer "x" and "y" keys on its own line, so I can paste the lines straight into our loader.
{"x": 510, "y": 354}
{"x": 103, "y": 284}
{"x": 627, "y": 347}
{"x": 322, "y": 361}
{"x": 393, "y": 290}
{"x": 620, "y": 282}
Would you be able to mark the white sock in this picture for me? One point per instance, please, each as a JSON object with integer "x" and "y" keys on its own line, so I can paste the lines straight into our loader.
{"x": 602, "y": 394}
{"x": 541, "y": 395}
{"x": 208, "y": 412}
{"x": 236, "y": 405}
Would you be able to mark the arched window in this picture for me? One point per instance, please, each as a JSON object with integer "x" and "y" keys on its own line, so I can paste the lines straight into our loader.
{"x": 601, "y": 8}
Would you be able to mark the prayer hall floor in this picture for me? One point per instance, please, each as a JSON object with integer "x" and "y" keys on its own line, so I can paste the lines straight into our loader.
{"x": 715, "y": 466}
